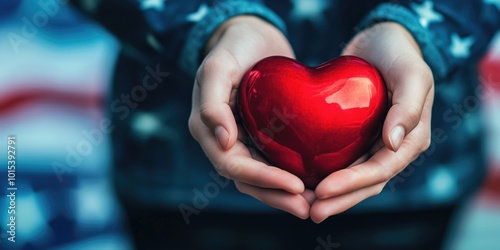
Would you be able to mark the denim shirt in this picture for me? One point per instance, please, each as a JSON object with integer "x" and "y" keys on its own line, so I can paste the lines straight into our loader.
{"x": 159, "y": 164}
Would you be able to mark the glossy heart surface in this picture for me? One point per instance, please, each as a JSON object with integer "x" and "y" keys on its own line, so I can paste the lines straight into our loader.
{"x": 312, "y": 121}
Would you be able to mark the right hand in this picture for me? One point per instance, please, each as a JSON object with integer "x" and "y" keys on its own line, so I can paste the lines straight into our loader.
{"x": 234, "y": 48}
{"x": 410, "y": 87}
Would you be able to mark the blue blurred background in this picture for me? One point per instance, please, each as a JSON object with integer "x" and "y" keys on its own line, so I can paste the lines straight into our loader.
{"x": 54, "y": 82}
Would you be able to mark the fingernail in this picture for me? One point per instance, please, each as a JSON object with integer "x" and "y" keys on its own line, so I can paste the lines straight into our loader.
{"x": 396, "y": 137}
{"x": 222, "y": 137}
{"x": 318, "y": 222}
{"x": 305, "y": 217}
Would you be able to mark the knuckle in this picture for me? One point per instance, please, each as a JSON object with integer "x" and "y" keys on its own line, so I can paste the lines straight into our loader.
{"x": 388, "y": 175}
{"x": 414, "y": 156}
{"x": 427, "y": 73}
{"x": 420, "y": 70}
{"x": 200, "y": 74}
{"x": 219, "y": 167}
{"x": 222, "y": 171}
{"x": 241, "y": 187}
{"x": 231, "y": 65}
{"x": 413, "y": 113}
{"x": 426, "y": 143}
{"x": 222, "y": 63}
{"x": 378, "y": 189}
{"x": 375, "y": 190}
{"x": 227, "y": 167}
{"x": 191, "y": 126}
{"x": 232, "y": 70}
{"x": 232, "y": 170}
{"x": 382, "y": 175}
{"x": 424, "y": 140}
{"x": 211, "y": 64}
{"x": 238, "y": 186}
{"x": 206, "y": 112}
{"x": 422, "y": 74}
{"x": 401, "y": 162}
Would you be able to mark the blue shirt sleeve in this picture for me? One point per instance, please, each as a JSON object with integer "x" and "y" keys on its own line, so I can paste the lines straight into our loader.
{"x": 449, "y": 33}
{"x": 218, "y": 13}
{"x": 149, "y": 30}
{"x": 174, "y": 32}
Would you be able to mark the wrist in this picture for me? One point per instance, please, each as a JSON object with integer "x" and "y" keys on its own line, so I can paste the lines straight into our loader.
{"x": 220, "y": 12}
{"x": 387, "y": 38}
{"x": 392, "y": 12}
{"x": 405, "y": 33}
{"x": 244, "y": 23}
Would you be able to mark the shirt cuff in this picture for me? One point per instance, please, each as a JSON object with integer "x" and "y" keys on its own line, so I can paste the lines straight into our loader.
{"x": 217, "y": 15}
{"x": 400, "y": 14}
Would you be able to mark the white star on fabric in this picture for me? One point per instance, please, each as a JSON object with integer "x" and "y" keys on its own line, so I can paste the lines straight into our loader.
{"x": 199, "y": 14}
{"x": 494, "y": 2}
{"x": 427, "y": 13}
{"x": 460, "y": 47}
{"x": 146, "y": 124}
{"x": 153, "y": 42}
{"x": 312, "y": 10}
{"x": 153, "y": 4}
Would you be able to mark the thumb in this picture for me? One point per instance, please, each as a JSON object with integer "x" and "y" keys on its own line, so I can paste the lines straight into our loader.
{"x": 217, "y": 79}
{"x": 409, "y": 92}
{"x": 222, "y": 70}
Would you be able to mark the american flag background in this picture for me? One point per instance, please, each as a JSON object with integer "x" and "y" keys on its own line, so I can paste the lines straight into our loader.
{"x": 54, "y": 82}
{"x": 55, "y": 75}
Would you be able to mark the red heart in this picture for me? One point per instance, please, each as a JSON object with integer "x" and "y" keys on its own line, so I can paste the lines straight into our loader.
{"x": 313, "y": 121}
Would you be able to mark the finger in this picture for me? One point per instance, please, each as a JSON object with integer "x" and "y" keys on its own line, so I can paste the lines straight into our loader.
{"x": 238, "y": 165}
{"x": 295, "y": 204}
{"x": 360, "y": 160}
{"x": 409, "y": 92}
{"x": 217, "y": 78}
{"x": 322, "y": 209}
{"x": 238, "y": 49}
{"x": 309, "y": 195}
{"x": 241, "y": 167}
{"x": 381, "y": 167}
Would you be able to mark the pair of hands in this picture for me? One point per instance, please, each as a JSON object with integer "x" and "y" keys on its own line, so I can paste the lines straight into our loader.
{"x": 238, "y": 45}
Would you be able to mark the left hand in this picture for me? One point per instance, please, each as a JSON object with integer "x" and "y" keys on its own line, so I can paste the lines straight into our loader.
{"x": 406, "y": 131}
{"x": 232, "y": 50}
